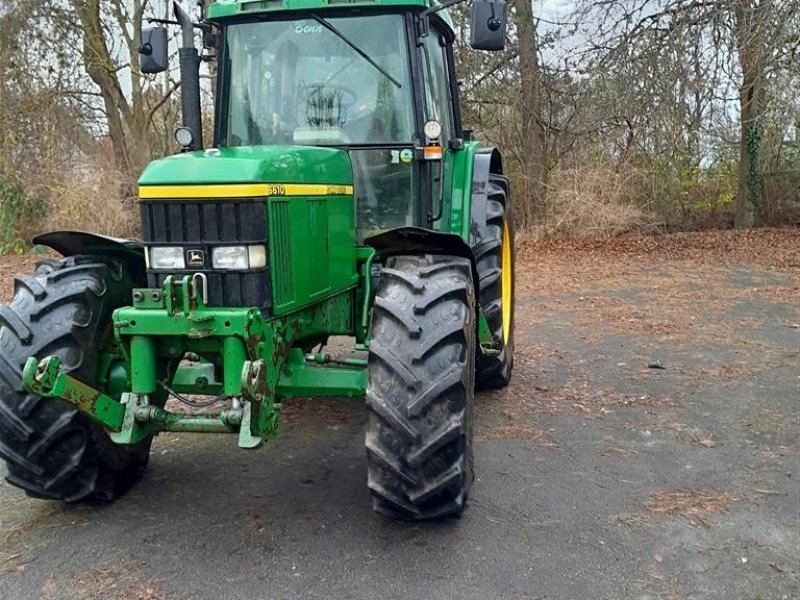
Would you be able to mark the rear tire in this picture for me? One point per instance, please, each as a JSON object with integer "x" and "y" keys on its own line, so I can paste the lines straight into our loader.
{"x": 494, "y": 272}
{"x": 420, "y": 388}
{"x": 51, "y": 450}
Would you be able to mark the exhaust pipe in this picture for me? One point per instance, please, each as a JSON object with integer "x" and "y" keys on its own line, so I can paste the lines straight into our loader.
{"x": 189, "y": 60}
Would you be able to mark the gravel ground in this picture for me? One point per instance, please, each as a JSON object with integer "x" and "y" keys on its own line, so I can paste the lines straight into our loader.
{"x": 647, "y": 449}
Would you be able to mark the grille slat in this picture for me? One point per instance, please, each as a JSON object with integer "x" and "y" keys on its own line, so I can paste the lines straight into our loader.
{"x": 284, "y": 284}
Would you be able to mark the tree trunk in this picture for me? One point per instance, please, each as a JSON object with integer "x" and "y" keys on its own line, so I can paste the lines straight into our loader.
{"x": 534, "y": 168}
{"x": 751, "y": 17}
{"x": 748, "y": 196}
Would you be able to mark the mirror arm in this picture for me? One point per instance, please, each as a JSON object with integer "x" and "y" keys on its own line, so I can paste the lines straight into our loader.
{"x": 434, "y": 9}
{"x": 202, "y": 25}
{"x": 161, "y": 21}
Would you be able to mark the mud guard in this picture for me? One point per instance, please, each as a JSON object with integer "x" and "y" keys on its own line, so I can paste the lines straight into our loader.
{"x": 71, "y": 243}
{"x": 416, "y": 240}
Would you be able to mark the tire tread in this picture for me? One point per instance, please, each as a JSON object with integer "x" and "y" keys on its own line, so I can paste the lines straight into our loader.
{"x": 494, "y": 370}
{"x": 51, "y": 450}
{"x": 421, "y": 387}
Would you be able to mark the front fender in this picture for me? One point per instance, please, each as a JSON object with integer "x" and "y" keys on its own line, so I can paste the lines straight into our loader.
{"x": 71, "y": 243}
{"x": 416, "y": 240}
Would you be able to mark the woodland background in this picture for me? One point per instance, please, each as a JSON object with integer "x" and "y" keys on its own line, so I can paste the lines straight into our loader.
{"x": 614, "y": 116}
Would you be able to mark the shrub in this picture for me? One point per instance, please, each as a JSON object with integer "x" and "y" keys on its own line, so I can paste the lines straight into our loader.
{"x": 18, "y": 212}
{"x": 91, "y": 198}
{"x": 595, "y": 202}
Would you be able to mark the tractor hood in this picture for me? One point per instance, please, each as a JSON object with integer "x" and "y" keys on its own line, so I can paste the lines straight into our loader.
{"x": 256, "y": 164}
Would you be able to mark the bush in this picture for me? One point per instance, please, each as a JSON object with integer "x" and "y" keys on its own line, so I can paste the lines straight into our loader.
{"x": 91, "y": 198}
{"x": 18, "y": 212}
{"x": 595, "y": 202}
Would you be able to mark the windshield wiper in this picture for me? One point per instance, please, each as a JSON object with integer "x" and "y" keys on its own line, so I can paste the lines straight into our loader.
{"x": 329, "y": 26}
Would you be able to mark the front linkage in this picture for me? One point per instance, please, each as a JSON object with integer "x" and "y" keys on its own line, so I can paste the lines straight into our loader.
{"x": 254, "y": 355}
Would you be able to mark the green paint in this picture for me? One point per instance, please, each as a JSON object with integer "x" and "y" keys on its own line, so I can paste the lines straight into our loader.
{"x": 252, "y": 352}
{"x": 193, "y": 378}
{"x": 301, "y": 380}
{"x": 143, "y": 373}
{"x": 117, "y": 380}
{"x": 223, "y": 422}
{"x": 242, "y": 8}
{"x": 312, "y": 249}
{"x": 485, "y": 337}
{"x": 458, "y": 170}
{"x": 268, "y": 164}
{"x": 46, "y": 378}
{"x": 234, "y": 355}
{"x": 239, "y": 8}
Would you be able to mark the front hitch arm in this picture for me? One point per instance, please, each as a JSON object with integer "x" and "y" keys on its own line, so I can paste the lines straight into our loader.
{"x": 47, "y": 378}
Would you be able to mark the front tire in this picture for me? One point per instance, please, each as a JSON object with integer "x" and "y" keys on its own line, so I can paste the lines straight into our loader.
{"x": 420, "y": 388}
{"x": 51, "y": 450}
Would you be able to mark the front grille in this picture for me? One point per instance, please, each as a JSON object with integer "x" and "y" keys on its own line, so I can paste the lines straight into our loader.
{"x": 201, "y": 225}
{"x": 280, "y": 217}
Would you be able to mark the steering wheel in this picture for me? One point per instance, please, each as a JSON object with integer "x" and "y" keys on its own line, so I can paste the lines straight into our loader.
{"x": 305, "y": 92}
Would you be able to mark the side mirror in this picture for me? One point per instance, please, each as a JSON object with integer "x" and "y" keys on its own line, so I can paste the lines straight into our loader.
{"x": 488, "y": 28}
{"x": 153, "y": 51}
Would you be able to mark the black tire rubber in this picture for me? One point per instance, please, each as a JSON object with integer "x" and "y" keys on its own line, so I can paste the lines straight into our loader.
{"x": 51, "y": 450}
{"x": 494, "y": 371}
{"x": 420, "y": 388}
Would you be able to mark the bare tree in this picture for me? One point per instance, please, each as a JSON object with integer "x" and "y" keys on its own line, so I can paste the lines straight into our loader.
{"x": 530, "y": 113}
{"x": 738, "y": 40}
{"x": 128, "y": 114}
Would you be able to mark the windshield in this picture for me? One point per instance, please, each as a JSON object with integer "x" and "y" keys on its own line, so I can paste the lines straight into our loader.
{"x": 299, "y": 82}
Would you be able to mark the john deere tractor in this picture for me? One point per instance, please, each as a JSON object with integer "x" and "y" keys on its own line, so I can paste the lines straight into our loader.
{"x": 340, "y": 196}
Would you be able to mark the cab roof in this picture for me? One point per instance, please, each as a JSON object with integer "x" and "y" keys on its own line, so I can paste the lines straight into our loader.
{"x": 222, "y": 9}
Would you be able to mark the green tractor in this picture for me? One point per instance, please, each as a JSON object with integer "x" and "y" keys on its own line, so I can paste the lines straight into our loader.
{"x": 341, "y": 197}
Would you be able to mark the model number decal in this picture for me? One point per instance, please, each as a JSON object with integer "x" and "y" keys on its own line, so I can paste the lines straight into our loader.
{"x": 276, "y": 190}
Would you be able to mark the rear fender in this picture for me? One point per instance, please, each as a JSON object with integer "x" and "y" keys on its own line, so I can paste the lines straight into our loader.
{"x": 71, "y": 243}
{"x": 487, "y": 162}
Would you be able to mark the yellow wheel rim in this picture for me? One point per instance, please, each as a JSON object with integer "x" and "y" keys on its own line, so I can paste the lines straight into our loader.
{"x": 507, "y": 284}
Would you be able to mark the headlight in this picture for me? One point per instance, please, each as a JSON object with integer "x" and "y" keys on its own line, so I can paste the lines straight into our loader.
{"x": 239, "y": 257}
{"x": 229, "y": 257}
{"x": 167, "y": 257}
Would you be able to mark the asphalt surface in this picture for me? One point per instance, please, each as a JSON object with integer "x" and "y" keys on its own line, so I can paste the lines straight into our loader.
{"x": 598, "y": 476}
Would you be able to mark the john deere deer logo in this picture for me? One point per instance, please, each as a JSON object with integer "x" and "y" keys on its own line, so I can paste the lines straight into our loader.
{"x": 195, "y": 258}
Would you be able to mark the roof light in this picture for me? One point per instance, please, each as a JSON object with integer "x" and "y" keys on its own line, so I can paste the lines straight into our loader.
{"x": 184, "y": 137}
{"x": 432, "y": 130}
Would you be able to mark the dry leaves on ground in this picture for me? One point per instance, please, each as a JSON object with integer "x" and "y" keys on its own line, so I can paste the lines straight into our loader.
{"x": 689, "y": 502}
{"x": 510, "y": 432}
{"x": 566, "y": 265}
{"x": 107, "y": 582}
{"x": 331, "y": 411}
{"x": 580, "y": 399}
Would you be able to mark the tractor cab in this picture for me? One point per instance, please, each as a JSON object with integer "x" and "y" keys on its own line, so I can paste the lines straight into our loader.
{"x": 363, "y": 81}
